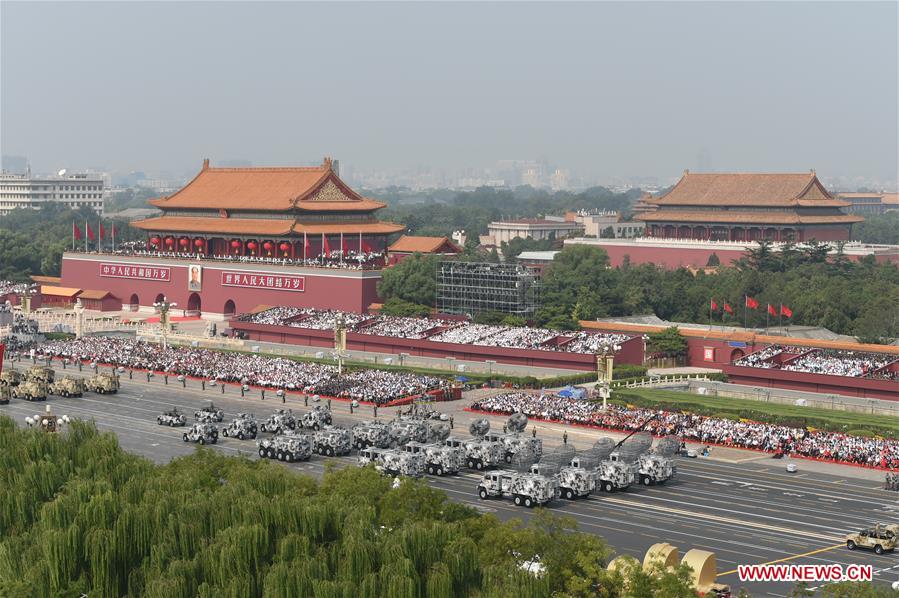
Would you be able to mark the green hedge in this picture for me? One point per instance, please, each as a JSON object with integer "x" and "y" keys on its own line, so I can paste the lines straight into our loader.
{"x": 627, "y": 370}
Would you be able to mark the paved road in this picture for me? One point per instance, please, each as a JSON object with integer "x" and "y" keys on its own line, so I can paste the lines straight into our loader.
{"x": 745, "y": 512}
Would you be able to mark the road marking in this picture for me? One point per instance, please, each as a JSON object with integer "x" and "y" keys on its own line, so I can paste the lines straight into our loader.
{"x": 792, "y": 494}
{"x": 826, "y": 499}
{"x": 790, "y": 558}
{"x": 721, "y": 483}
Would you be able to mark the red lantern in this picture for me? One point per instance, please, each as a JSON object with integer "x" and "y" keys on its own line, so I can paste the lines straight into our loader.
{"x": 183, "y": 242}
{"x": 267, "y": 245}
{"x": 198, "y": 242}
{"x": 170, "y": 241}
{"x": 235, "y": 244}
{"x": 154, "y": 241}
{"x": 251, "y": 245}
{"x": 284, "y": 246}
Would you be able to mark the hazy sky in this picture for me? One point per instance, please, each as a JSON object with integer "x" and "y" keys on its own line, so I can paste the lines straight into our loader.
{"x": 606, "y": 89}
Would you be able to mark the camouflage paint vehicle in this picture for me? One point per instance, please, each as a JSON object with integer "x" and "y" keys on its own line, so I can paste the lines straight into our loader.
{"x": 395, "y": 462}
{"x": 286, "y": 447}
{"x": 331, "y": 442}
{"x": 103, "y": 384}
{"x": 30, "y": 390}
{"x": 316, "y": 419}
{"x": 406, "y": 429}
{"x": 516, "y": 443}
{"x": 201, "y": 433}
{"x": 209, "y": 415}
{"x": 478, "y": 453}
{"x": 525, "y": 489}
{"x": 880, "y": 538}
{"x": 40, "y": 373}
{"x": 439, "y": 458}
{"x": 171, "y": 418}
{"x": 68, "y": 386}
{"x": 242, "y": 427}
{"x": 10, "y": 378}
{"x": 279, "y": 422}
{"x": 5, "y": 395}
{"x": 574, "y": 482}
{"x": 370, "y": 433}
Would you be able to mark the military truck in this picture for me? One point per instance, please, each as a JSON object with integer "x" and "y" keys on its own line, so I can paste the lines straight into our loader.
{"x": 103, "y": 384}
{"x": 10, "y": 378}
{"x": 316, "y": 419}
{"x": 30, "y": 390}
{"x": 279, "y": 422}
{"x": 242, "y": 427}
{"x": 286, "y": 447}
{"x": 331, "y": 441}
{"x": 209, "y": 414}
{"x": 202, "y": 433}
{"x": 608, "y": 475}
{"x": 40, "y": 373}
{"x": 478, "y": 453}
{"x": 392, "y": 462}
{"x": 527, "y": 489}
{"x": 515, "y": 443}
{"x": 408, "y": 428}
{"x": 171, "y": 418}
{"x": 880, "y": 538}
{"x": 5, "y": 395}
{"x": 654, "y": 469}
{"x": 371, "y": 455}
{"x": 574, "y": 482}
{"x": 67, "y": 386}
{"x": 440, "y": 459}
{"x": 370, "y": 433}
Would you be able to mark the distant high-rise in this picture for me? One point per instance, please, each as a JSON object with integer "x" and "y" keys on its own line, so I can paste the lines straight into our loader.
{"x": 75, "y": 190}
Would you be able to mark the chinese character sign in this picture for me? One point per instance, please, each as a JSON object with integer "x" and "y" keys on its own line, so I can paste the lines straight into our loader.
{"x": 135, "y": 271}
{"x": 264, "y": 281}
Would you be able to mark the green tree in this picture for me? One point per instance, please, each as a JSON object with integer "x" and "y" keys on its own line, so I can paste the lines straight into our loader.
{"x": 713, "y": 260}
{"x": 398, "y": 307}
{"x": 669, "y": 342}
{"x": 413, "y": 280}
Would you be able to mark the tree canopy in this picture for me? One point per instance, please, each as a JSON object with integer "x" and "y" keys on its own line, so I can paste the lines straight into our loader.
{"x": 413, "y": 280}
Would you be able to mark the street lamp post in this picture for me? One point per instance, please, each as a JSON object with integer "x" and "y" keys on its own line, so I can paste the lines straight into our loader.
{"x": 79, "y": 318}
{"x": 164, "y": 306}
{"x": 605, "y": 362}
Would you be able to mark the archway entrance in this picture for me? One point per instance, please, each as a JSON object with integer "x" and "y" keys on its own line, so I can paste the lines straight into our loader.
{"x": 229, "y": 308}
{"x": 134, "y": 301}
{"x": 194, "y": 304}
{"x": 736, "y": 354}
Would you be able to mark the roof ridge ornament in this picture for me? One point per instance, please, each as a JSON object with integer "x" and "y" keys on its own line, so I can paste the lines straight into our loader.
{"x": 327, "y": 163}
{"x": 205, "y": 163}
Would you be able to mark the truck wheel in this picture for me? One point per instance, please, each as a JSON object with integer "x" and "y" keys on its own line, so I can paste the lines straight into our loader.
{"x": 850, "y": 545}
{"x": 517, "y": 501}
{"x": 158, "y": 422}
{"x": 645, "y": 480}
{"x": 607, "y": 487}
{"x": 288, "y": 456}
{"x": 483, "y": 493}
{"x": 214, "y": 440}
{"x": 316, "y": 427}
{"x": 329, "y": 451}
{"x": 470, "y": 464}
{"x": 439, "y": 470}
{"x": 280, "y": 456}
{"x": 240, "y": 435}
{"x": 878, "y": 549}
{"x": 202, "y": 440}
{"x": 172, "y": 424}
{"x": 270, "y": 454}
{"x": 528, "y": 502}
{"x": 567, "y": 493}
{"x": 479, "y": 465}
{"x": 261, "y": 452}
{"x": 262, "y": 427}
{"x": 225, "y": 432}
{"x": 184, "y": 437}
{"x": 508, "y": 458}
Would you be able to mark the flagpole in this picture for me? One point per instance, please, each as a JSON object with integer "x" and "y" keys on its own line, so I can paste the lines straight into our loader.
{"x": 305, "y": 244}
{"x": 780, "y": 319}
{"x": 85, "y": 236}
{"x": 710, "y": 314}
{"x": 745, "y": 315}
{"x": 113, "y": 238}
{"x": 74, "y": 226}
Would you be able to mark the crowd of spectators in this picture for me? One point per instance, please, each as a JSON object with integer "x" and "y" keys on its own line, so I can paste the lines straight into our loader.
{"x": 270, "y": 372}
{"x": 777, "y": 439}
{"x": 7, "y": 287}
{"x": 352, "y": 260}
{"x": 464, "y": 333}
{"x": 832, "y": 362}
{"x": 764, "y": 358}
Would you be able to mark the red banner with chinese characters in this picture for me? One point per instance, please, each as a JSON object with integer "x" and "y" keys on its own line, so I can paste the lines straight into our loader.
{"x": 135, "y": 271}
{"x": 261, "y": 280}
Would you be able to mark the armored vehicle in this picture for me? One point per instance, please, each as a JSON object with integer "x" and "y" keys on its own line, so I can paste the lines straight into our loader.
{"x": 316, "y": 419}
{"x": 654, "y": 469}
{"x": 279, "y": 422}
{"x": 880, "y": 538}
{"x": 574, "y": 482}
{"x": 440, "y": 459}
{"x": 40, "y": 373}
{"x": 209, "y": 414}
{"x": 478, "y": 453}
{"x": 171, "y": 418}
{"x": 68, "y": 386}
{"x": 242, "y": 427}
{"x": 371, "y": 455}
{"x": 5, "y": 394}
{"x": 286, "y": 447}
{"x": 30, "y": 390}
{"x": 102, "y": 384}
{"x": 202, "y": 433}
{"x": 515, "y": 443}
{"x": 406, "y": 429}
{"x": 331, "y": 441}
{"x": 10, "y": 377}
{"x": 396, "y": 462}
{"x": 370, "y": 433}
{"x": 528, "y": 489}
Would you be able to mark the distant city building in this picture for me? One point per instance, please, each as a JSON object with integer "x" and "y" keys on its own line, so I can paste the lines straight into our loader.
{"x": 748, "y": 207}
{"x": 14, "y": 164}
{"x": 408, "y": 245}
{"x": 75, "y": 190}
{"x": 870, "y": 204}
{"x": 598, "y": 222}
{"x": 474, "y": 287}
{"x": 559, "y": 180}
{"x": 532, "y": 228}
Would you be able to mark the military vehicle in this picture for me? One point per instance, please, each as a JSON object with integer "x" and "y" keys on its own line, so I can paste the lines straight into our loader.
{"x": 370, "y": 433}
{"x": 392, "y": 462}
{"x": 608, "y": 475}
{"x": 408, "y": 428}
{"x": 440, "y": 459}
{"x": 241, "y": 427}
{"x": 5, "y": 395}
{"x": 514, "y": 441}
{"x": 68, "y": 386}
{"x": 279, "y": 422}
{"x": 40, "y": 373}
{"x": 574, "y": 482}
{"x": 30, "y": 390}
{"x": 880, "y": 538}
{"x": 647, "y": 468}
{"x": 209, "y": 414}
{"x": 202, "y": 433}
{"x": 331, "y": 441}
{"x": 371, "y": 455}
{"x": 103, "y": 384}
{"x": 316, "y": 419}
{"x": 10, "y": 378}
{"x": 286, "y": 447}
{"x": 171, "y": 418}
{"x": 528, "y": 489}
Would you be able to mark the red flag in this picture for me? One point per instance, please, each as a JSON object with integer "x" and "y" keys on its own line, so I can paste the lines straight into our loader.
{"x": 751, "y": 303}
{"x": 344, "y": 249}
{"x": 76, "y": 232}
{"x": 714, "y": 305}
{"x": 90, "y": 232}
{"x": 786, "y": 311}
{"x": 771, "y": 310}
{"x": 728, "y": 308}
{"x": 102, "y": 232}
{"x": 326, "y": 247}
{"x": 366, "y": 247}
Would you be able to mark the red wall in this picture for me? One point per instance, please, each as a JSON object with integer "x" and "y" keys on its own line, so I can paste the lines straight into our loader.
{"x": 854, "y": 387}
{"x": 675, "y": 257}
{"x": 326, "y": 288}
{"x": 631, "y": 350}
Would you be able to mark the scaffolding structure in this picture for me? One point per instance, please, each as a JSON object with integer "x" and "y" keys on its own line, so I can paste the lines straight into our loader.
{"x": 475, "y": 287}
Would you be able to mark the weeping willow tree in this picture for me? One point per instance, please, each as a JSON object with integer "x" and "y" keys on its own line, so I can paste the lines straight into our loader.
{"x": 80, "y": 515}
